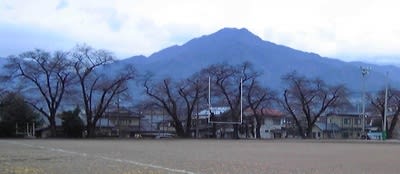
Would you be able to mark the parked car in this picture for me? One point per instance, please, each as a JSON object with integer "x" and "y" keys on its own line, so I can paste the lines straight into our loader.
{"x": 374, "y": 135}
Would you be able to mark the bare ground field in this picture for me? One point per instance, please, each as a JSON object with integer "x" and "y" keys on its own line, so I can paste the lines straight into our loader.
{"x": 61, "y": 156}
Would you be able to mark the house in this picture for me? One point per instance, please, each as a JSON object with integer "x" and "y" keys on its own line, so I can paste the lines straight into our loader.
{"x": 121, "y": 122}
{"x": 202, "y": 128}
{"x": 45, "y": 132}
{"x": 350, "y": 125}
{"x": 272, "y": 122}
{"x": 220, "y": 125}
{"x": 324, "y": 130}
{"x": 105, "y": 128}
{"x": 153, "y": 122}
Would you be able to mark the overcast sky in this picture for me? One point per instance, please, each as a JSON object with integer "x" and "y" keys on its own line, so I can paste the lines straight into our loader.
{"x": 345, "y": 29}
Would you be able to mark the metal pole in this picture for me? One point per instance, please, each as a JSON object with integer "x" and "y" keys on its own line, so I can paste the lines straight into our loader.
{"x": 363, "y": 106}
{"x": 118, "y": 114}
{"x": 364, "y": 72}
{"x": 197, "y": 120}
{"x": 209, "y": 98}
{"x": 385, "y": 112}
{"x": 241, "y": 103}
{"x": 33, "y": 129}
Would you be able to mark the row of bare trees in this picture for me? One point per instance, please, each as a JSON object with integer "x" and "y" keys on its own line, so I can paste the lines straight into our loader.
{"x": 84, "y": 76}
{"x": 181, "y": 98}
{"x": 304, "y": 99}
{"x": 49, "y": 79}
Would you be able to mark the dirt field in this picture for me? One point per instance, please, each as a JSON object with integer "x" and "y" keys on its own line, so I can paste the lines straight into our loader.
{"x": 197, "y": 156}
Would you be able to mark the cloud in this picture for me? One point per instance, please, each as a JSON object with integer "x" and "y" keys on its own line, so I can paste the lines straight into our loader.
{"x": 349, "y": 29}
{"x": 16, "y": 39}
{"x": 62, "y": 4}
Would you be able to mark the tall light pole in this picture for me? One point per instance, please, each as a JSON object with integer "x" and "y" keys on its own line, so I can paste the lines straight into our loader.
{"x": 364, "y": 73}
{"x": 384, "y": 130}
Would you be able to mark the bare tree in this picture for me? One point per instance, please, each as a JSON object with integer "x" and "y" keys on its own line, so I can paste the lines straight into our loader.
{"x": 258, "y": 99}
{"x": 226, "y": 79}
{"x": 307, "y": 99}
{"x": 178, "y": 99}
{"x": 45, "y": 74}
{"x": 378, "y": 103}
{"x": 99, "y": 83}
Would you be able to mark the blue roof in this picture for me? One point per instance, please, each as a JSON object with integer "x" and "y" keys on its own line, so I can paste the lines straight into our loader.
{"x": 216, "y": 110}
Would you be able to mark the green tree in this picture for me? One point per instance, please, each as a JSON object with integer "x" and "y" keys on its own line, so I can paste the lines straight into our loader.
{"x": 72, "y": 123}
{"x": 15, "y": 111}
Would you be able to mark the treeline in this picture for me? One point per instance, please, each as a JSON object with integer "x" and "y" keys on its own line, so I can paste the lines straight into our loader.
{"x": 86, "y": 76}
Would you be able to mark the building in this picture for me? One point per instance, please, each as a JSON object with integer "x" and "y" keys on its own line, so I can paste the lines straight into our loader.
{"x": 220, "y": 126}
{"x": 155, "y": 122}
{"x": 120, "y": 122}
{"x": 201, "y": 128}
{"x": 272, "y": 123}
{"x": 339, "y": 125}
{"x": 324, "y": 130}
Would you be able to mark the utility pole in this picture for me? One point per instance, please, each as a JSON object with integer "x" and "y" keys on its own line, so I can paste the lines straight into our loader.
{"x": 384, "y": 134}
{"x": 118, "y": 115}
{"x": 364, "y": 73}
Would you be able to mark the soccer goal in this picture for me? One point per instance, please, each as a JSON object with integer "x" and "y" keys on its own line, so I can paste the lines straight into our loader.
{"x": 213, "y": 111}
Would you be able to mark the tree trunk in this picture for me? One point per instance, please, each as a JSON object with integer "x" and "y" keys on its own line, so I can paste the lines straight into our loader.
{"x": 309, "y": 133}
{"x": 53, "y": 129}
{"x": 188, "y": 127}
{"x": 180, "y": 132}
{"x": 300, "y": 129}
{"x": 301, "y": 132}
{"x": 392, "y": 127}
{"x": 214, "y": 130}
{"x": 90, "y": 128}
{"x": 258, "y": 131}
{"x": 235, "y": 131}
{"x": 258, "y": 127}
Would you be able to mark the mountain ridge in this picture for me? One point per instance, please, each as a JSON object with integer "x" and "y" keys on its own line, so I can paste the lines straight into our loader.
{"x": 238, "y": 45}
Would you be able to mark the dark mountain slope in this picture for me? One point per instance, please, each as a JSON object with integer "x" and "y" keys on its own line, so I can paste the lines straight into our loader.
{"x": 235, "y": 46}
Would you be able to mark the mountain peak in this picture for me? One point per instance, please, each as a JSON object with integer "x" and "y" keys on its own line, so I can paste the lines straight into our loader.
{"x": 236, "y": 33}
{"x": 234, "y": 30}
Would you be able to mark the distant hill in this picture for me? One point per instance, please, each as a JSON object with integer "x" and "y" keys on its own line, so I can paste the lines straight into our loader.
{"x": 2, "y": 63}
{"x": 238, "y": 45}
{"x": 235, "y": 46}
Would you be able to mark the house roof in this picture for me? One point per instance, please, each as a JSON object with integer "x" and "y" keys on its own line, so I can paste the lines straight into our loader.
{"x": 216, "y": 110}
{"x": 266, "y": 112}
{"x": 122, "y": 113}
{"x": 327, "y": 126}
{"x": 344, "y": 115}
{"x": 104, "y": 122}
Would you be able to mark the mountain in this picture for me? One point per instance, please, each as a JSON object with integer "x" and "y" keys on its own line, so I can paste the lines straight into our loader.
{"x": 234, "y": 46}
{"x": 2, "y": 63}
{"x": 238, "y": 45}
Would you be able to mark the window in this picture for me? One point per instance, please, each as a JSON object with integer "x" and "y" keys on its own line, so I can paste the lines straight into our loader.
{"x": 346, "y": 121}
{"x": 357, "y": 121}
{"x": 276, "y": 121}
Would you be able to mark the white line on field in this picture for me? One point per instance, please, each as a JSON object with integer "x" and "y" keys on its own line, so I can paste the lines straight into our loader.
{"x": 102, "y": 157}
